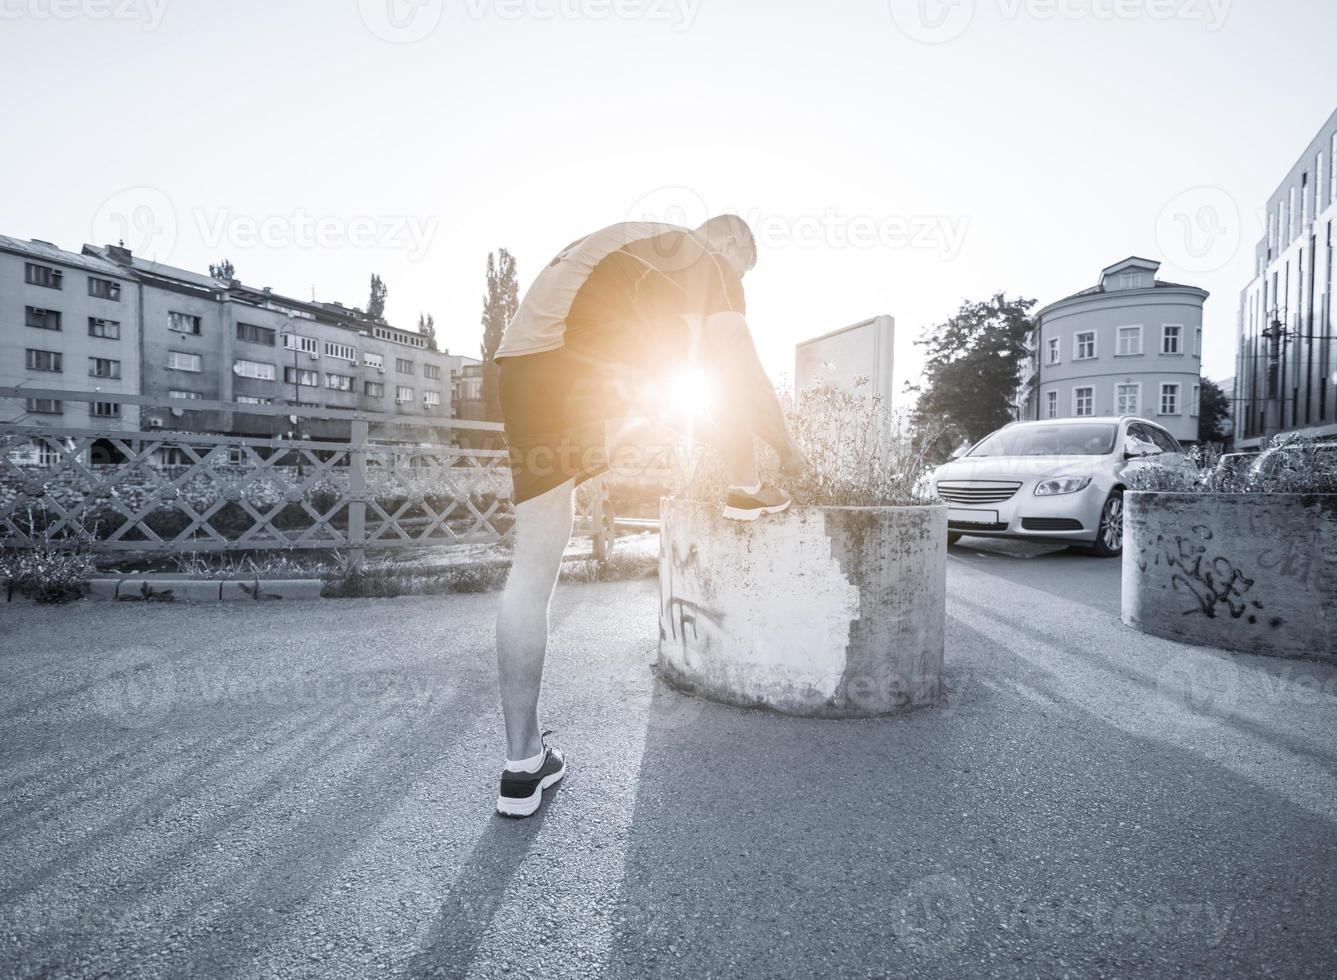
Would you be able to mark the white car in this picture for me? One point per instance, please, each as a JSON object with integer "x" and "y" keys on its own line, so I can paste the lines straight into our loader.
{"x": 1060, "y": 480}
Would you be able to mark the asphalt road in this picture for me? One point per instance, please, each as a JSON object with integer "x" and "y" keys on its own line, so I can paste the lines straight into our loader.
{"x": 306, "y": 790}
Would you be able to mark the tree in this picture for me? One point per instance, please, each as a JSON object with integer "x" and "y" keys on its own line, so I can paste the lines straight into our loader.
{"x": 225, "y": 271}
{"x": 499, "y": 305}
{"x": 973, "y": 369}
{"x": 427, "y": 327}
{"x": 1213, "y": 411}
{"x": 376, "y": 302}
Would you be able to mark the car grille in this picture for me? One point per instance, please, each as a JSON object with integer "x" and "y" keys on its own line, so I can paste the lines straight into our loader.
{"x": 976, "y": 492}
{"x": 1050, "y": 524}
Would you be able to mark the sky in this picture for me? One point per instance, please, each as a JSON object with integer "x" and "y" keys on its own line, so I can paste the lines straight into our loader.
{"x": 894, "y": 156}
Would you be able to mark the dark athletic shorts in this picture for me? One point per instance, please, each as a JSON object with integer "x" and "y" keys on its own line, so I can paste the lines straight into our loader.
{"x": 555, "y": 406}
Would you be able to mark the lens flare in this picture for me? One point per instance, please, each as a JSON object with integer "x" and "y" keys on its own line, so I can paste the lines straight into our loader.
{"x": 689, "y": 394}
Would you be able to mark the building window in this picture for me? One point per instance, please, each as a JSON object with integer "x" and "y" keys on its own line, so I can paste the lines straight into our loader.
{"x": 1130, "y": 280}
{"x": 43, "y": 360}
{"x": 1130, "y": 341}
{"x": 183, "y": 323}
{"x": 1171, "y": 336}
{"x": 1053, "y": 346}
{"x": 1304, "y": 201}
{"x": 104, "y": 289}
{"x": 342, "y": 351}
{"x": 1126, "y": 397}
{"x": 301, "y": 376}
{"x": 42, "y": 275}
{"x": 1332, "y": 171}
{"x": 403, "y": 394}
{"x": 373, "y": 389}
{"x": 1083, "y": 401}
{"x": 1051, "y": 404}
{"x": 45, "y": 406}
{"x": 1197, "y": 342}
{"x": 1196, "y": 404}
{"x": 253, "y": 334}
{"x": 339, "y": 382}
{"x": 307, "y": 345}
{"x": 1319, "y": 184}
{"x": 432, "y": 399}
{"x": 253, "y": 369}
{"x": 191, "y": 396}
{"x": 1086, "y": 345}
{"x": 105, "y": 410}
{"x": 106, "y": 329}
{"x": 35, "y": 316}
{"x": 432, "y": 371}
{"x": 1169, "y": 399}
{"x": 181, "y": 361}
{"x": 254, "y": 400}
{"x": 1290, "y": 218}
{"x": 102, "y": 367}
{"x": 403, "y": 365}
{"x": 373, "y": 360}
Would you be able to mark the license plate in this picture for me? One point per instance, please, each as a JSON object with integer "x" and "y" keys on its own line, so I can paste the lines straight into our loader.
{"x": 958, "y": 516}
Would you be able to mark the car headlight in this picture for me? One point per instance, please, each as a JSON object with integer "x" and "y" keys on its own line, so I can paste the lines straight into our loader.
{"x": 1071, "y": 484}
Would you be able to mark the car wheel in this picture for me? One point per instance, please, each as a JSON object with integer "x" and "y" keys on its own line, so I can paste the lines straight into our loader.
{"x": 952, "y": 538}
{"x": 1109, "y": 535}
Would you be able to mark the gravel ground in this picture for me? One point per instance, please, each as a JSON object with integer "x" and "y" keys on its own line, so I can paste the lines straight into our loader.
{"x": 305, "y": 790}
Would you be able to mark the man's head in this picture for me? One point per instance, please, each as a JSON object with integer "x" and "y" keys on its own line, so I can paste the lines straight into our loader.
{"x": 729, "y": 235}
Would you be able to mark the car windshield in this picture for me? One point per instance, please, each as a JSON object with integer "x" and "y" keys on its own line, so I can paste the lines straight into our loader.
{"x": 1085, "y": 439}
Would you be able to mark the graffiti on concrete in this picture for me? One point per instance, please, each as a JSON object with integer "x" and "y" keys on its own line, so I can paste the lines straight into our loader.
{"x": 680, "y": 614}
{"x": 1214, "y": 582}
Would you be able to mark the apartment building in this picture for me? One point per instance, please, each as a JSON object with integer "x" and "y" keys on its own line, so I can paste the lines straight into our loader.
{"x": 67, "y": 322}
{"x": 1286, "y": 378}
{"x": 1130, "y": 345}
{"x": 207, "y": 339}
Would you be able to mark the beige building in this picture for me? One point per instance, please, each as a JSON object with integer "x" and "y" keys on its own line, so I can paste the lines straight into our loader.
{"x": 1131, "y": 345}
{"x": 1285, "y": 377}
{"x": 67, "y": 322}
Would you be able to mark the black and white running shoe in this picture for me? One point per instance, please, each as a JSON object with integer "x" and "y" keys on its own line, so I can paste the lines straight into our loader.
{"x": 742, "y": 505}
{"x": 522, "y": 792}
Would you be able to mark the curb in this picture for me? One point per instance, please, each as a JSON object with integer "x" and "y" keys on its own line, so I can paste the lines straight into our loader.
{"x": 158, "y": 588}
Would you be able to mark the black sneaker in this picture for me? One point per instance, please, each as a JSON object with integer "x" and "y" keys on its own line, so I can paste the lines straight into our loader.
{"x": 522, "y": 792}
{"x": 743, "y": 506}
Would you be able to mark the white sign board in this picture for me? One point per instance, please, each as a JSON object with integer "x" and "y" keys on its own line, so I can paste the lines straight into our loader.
{"x": 840, "y": 358}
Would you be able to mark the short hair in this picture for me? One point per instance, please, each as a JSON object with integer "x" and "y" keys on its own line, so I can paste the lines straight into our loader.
{"x": 731, "y": 225}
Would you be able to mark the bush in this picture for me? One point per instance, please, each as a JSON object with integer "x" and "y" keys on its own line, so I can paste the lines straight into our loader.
{"x": 1290, "y": 464}
{"x": 862, "y": 455}
{"x": 47, "y": 573}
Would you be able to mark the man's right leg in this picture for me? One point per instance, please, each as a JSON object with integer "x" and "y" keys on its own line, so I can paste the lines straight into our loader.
{"x": 542, "y": 531}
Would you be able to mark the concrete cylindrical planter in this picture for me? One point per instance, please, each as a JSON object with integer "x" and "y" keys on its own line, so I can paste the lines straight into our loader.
{"x": 833, "y": 612}
{"x": 1249, "y": 572}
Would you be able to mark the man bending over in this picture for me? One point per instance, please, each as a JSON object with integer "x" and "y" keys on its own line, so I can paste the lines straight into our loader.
{"x": 611, "y": 320}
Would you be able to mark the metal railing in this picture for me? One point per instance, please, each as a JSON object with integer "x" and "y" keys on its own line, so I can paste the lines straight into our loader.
{"x": 371, "y": 481}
